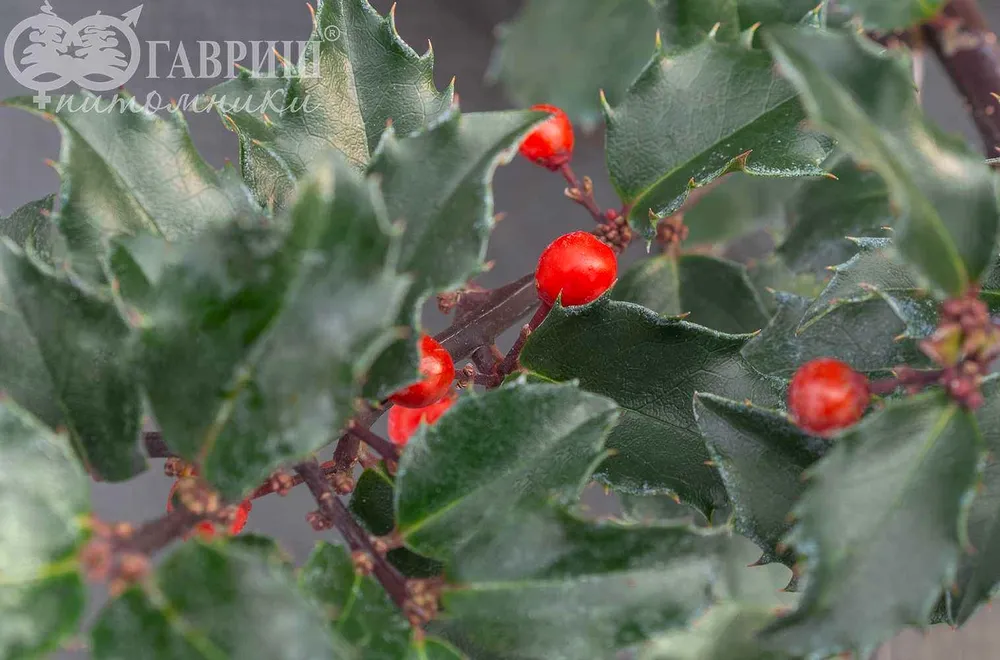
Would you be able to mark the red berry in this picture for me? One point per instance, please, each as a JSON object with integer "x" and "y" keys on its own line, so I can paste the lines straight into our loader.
{"x": 551, "y": 143}
{"x": 404, "y": 421}
{"x": 827, "y": 395}
{"x": 577, "y": 265}
{"x": 437, "y": 370}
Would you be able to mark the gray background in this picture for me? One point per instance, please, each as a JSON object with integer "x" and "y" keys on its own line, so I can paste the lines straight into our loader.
{"x": 462, "y": 33}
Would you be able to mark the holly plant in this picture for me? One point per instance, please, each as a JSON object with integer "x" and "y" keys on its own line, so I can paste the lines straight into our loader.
{"x": 774, "y": 348}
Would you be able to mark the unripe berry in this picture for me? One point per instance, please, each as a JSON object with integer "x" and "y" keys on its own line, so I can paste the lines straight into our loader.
{"x": 437, "y": 371}
{"x": 826, "y": 395}
{"x": 206, "y": 528}
{"x": 577, "y": 265}
{"x": 404, "y": 421}
{"x": 551, "y": 143}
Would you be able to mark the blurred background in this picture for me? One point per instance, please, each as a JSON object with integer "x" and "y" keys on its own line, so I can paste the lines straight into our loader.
{"x": 463, "y": 34}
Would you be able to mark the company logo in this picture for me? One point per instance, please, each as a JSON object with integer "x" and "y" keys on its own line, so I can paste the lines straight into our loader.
{"x": 100, "y": 52}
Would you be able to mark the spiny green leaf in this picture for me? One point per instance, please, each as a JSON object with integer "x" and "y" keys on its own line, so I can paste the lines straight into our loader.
{"x": 866, "y": 99}
{"x": 881, "y": 526}
{"x": 438, "y": 185}
{"x": 737, "y": 206}
{"x": 44, "y": 499}
{"x": 540, "y": 439}
{"x": 63, "y": 357}
{"x": 865, "y": 333}
{"x": 373, "y": 502}
{"x": 685, "y": 23}
{"x": 726, "y": 632}
{"x": 772, "y": 274}
{"x": 894, "y": 14}
{"x": 544, "y": 584}
{"x": 768, "y": 12}
{"x": 651, "y": 366}
{"x": 215, "y": 602}
{"x": 357, "y": 77}
{"x": 716, "y": 293}
{"x": 125, "y": 170}
{"x": 282, "y": 323}
{"x": 825, "y": 212}
{"x": 661, "y": 143}
{"x": 31, "y": 228}
{"x": 359, "y": 609}
{"x": 761, "y": 456}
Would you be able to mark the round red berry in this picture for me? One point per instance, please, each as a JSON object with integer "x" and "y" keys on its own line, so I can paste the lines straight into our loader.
{"x": 437, "y": 371}
{"x": 550, "y": 144}
{"x": 826, "y": 395}
{"x": 404, "y": 421}
{"x": 578, "y": 266}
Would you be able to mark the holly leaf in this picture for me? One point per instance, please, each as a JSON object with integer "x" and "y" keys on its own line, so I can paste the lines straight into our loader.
{"x": 657, "y": 446}
{"x": 336, "y": 97}
{"x": 373, "y": 502}
{"x": 726, "y": 632}
{"x": 511, "y": 584}
{"x": 125, "y": 170}
{"x": 544, "y": 438}
{"x": 45, "y": 501}
{"x": 63, "y": 358}
{"x": 978, "y": 574}
{"x": 30, "y": 228}
{"x": 685, "y": 23}
{"x": 216, "y": 601}
{"x": 825, "y": 213}
{"x": 738, "y": 206}
{"x": 438, "y": 185}
{"x": 761, "y": 456}
{"x": 894, "y": 15}
{"x": 661, "y": 144}
{"x": 283, "y": 320}
{"x": 881, "y": 526}
{"x": 866, "y": 100}
{"x": 768, "y": 12}
{"x": 786, "y": 343}
{"x": 772, "y": 274}
{"x": 714, "y": 292}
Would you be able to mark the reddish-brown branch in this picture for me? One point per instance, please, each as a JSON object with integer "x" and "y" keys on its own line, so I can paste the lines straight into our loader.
{"x": 582, "y": 192}
{"x": 387, "y": 450}
{"x": 967, "y": 47}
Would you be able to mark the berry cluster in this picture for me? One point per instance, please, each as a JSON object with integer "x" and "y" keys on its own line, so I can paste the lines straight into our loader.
{"x": 207, "y": 529}
{"x": 427, "y": 399}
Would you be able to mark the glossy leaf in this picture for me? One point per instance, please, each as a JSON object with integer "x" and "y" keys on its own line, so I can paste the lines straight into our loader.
{"x": 44, "y": 501}
{"x": 880, "y": 525}
{"x": 540, "y": 439}
{"x": 651, "y": 366}
{"x": 716, "y": 293}
{"x": 865, "y": 333}
{"x": 336, "y": 97}
{"x": 213, "y": 602}
{"x": 684, "y": 23}
{"x": 125, "y": 170}
{"x": 360, "y": 610}
{"x": 866, "y": 99}
{"x": 894, "y": 14}
{"x": 63, "y": 358}
{"x": 738, "y": 206}
{"x": 825, "y": 212}
{"x": 282, "y": 324}
{"x": 437, "y": 185}
{"x": 661, "y": 143}
{"x": 761, "y": 456}
{"x": 544, "y": 584}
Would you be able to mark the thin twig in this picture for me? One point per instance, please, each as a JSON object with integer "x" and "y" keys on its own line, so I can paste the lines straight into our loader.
{"x": 387, "y": 450}
{"x": 582, "y": 192}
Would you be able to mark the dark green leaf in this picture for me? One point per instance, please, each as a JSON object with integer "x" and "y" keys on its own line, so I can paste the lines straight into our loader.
{"x": 125, "y": 170}
{"x": 357, "y": 77}
{"x": 825, "y": 212}
{"x": 894, "y": 14}
{"x": 438, "y": 185}
{"x": 539, "y": 439}
{"x": 867, "y": 334}
{"x": 768, "y": 12}
{"x": 564, "y": 52}
{"x": 63, "y": 357}
{"x": 282, "y": 323}
{"x": 373, "y": 502}
{"x": 651, "y": 366}
{"x": 726, "y": 632}
{"x": 661, "y": 143}
{"x": 544, "y": 584}
{"x": 739, "y": 205}
{"x": 659, "y": 508}
{"x": 44, "y": 498}
{"x": 360, "y": 610}
{"x": 216, "y": 602}
{"x": 684, "y": 23}
{"x": 761, "y": 456}
{"x": 772, "y": 275}
{"x": 716, "y": 293}
{"x": 31, "y": 228}
{"x": 866, "y": 99}
{"x": 880, "y": 525}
